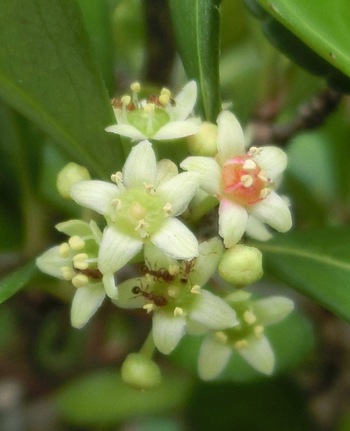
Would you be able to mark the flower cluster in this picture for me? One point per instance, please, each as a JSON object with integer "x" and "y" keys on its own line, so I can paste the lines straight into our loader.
{"x": 148, "y": 218}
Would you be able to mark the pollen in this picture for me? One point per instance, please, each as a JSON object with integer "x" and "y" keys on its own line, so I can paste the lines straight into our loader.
{"x": 64, "y": 250}
{"x": 196, "y": 289}
{"x": 67, "y": 272}
{"x": 168, "y": 209}
{"x": 135, "y": 87}
{"x": 80, "y": 280}
{"x": 221, "y": 337}
{"x": 249, "y": 317}
{"x": 178, "y": 311}
{"x": 258, "y": 331}
{"x": 76, "y": 243}
{"x": 149, "y": 307}
{"x": 80, "y": 261}
{"x": 241, "y": 344}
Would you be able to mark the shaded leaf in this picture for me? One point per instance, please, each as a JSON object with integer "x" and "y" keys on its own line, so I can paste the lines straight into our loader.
{"x": 197, "y": 30}
{"x": 48, "y": 74}
{"x": 14, "y": 282}
{"x": 316, "y": 263}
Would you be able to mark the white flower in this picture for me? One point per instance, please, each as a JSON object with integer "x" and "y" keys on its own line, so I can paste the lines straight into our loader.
{"x": 243, "y": 183}
{"x": 76, "y": 261}
{"x": 247, "y": 338}
{"x": 159, "y": 118}
{"x": 141, "y": 208}
{"x": 173, "y": 291}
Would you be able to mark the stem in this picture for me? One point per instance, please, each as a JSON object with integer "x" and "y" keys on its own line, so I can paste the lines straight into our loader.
{"x": 148, "y": 346}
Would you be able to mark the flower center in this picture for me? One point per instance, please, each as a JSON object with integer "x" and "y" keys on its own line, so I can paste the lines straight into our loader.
{"x": 139, "y": 212}
{"x": 243, "y": 181}
{"x": 149, "y": 119}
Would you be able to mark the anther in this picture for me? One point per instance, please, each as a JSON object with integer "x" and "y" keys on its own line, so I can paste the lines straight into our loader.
{"x": 173, "y": 291}
{"x": 247, "y": 181}
{"x": 117, "y": 177}
{"x": 178, "y": 311}
{"x": 80, "y": 280}
{"x": 149, "y": 108}
{"x": 135, "y": 87}
{"x": 249, "y": 165}
{"x": 80, "y": 261}
{"x": 164, "y": 99}
{"x": 258, "y": 331}
{"x": 149, "y": 188}
{"x": 262, "y": 177}
{"x": 241, "y": 344}
{"x": 249, "y": 317}
{"x": 173, "y": 269}
{"x": 221, "y": 337}
{"x": 67, "y": 272}
{"x": 116, "y": 203}
{"x": 126, "y": 99}
{"x": 196, "y": 289}
{"x": 149, "y": 307}
{"x": 64, "y": 250}
{"x": 165, "y": 91}
{"x": 76, "y": 242}
{"x": 167, "y": 208}
{"x": 264, "y": 193}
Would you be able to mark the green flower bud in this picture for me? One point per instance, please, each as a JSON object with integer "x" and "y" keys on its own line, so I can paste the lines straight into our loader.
{"x": 204, "y": 143}
{"x": 140, "y": 372}
{"x": 69, "y": 175}
{"x": 241, "y": 265}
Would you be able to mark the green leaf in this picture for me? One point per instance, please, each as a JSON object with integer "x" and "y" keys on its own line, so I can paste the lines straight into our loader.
{"x": 14, "y": 282}
{"x": 197, "y": 30}
{"x": 48, "y": 74}
{"x": 316, "y": 263}
{"x": 103, "y": 398}
{"x": 323, "y": 25}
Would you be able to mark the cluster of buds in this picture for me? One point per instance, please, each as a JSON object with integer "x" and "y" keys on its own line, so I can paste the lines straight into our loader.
{"x": 143, "y": 211}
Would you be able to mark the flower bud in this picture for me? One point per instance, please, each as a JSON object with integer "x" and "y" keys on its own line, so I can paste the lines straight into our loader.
{"x": 140, "y": 372}
{"x": 204, "y": 143}
{"x": 241, "y": 265}
{"x": 69, "y": 175}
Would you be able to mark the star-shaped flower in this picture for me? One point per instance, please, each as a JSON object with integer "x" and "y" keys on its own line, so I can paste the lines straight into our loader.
{"x": 141, "y": 207}
{"x": 158, "y": 117}
{"x": 76, "y": 261}
{"x": 247, "y": 338}
{"x": 244, "y": 183}
{"x": 173, "y": 291}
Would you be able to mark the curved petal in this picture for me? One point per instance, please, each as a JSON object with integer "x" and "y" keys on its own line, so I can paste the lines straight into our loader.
{"x": 272, "y": 310}
{"x": 85, "y": 303}
{"x": 213, "y": 312}
{"x": 94, "y": 194}
{"x": 213, "y": 358}
{"x": 210, "y": 253}
{"x": 74, "y": 227}
{"x": 156, "y": 259}
{"x": 257, "y": 230}
{"x": 209, "y": 171}
{"x": 230, "y": 136}
{"x": 126, "y": 297}
{"x": 116, "y": 250}
{"x": 51, "y": 263}
{"x": 167, "y": 331}
{"x": 109, "y": 285}
{"x": 176, "y": 240}
{"x": 259, "y": 355}
{"x": 126, "y": 130}
{"x": 185, "y": 102}
{"x": 179, "y": 191}
{"x": 233, "y": 220}
{"x": 272, "y": 160}
{"x": 166, "y": 169}
{"x": 176, "y": 130}
{"x": 273, "y": 211}
{"x": 140, "y": 166}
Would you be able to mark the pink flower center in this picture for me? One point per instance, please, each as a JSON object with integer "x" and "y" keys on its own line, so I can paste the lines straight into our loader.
{"x": 243, "y": 181}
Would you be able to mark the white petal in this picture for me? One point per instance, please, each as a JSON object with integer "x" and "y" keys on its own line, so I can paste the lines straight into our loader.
{"x": 230, "y": 136}
{"x": 272, "y": 310}
{"x": 274, "y": 211}
{"x": 185, "y": 102}
{"x": 109, "y": 285}
{"x": 156, "y": 259}
{"x": 126, "y": 297}
{"x": 179, "y": 191}
{"x": 85, "y": 303}
{"x": 213, "y": 358}
{"x": 176, "y": 240}
{"x": 259, "y": 355}
{"x": 213, "y": 312}
{"x": 233, "y": 220}
{"x": 140, "y": 166}
{"x": 166, "y": 169}
{"x": 51, "y": 263}
{"x": 272, "y": 160}
{"x": 209, "y": 171}
{"x": 126, "y": 130}
{"x": 210, "y": 253}
{"x": 96, "y": 195}
{"x": 176, "y": 130}
{"x": 167, "y": 331}
{"x": 257, "y": 230}
{"x": 116, "y": 250}
{"x": 74, "y": 227}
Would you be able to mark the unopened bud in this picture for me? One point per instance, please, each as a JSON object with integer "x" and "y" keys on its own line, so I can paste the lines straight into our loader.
{"x": 140, "y": 372}
{"x": 204, "y": 143}
{"x": 69, "y": 175}
{"x": 241, "y": 265}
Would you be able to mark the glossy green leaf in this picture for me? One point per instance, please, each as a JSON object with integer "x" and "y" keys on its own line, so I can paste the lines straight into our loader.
{"x": 48, "y": 74}
{"x": 103, "y": 398}
{"x": 14, "y": 282}
{"x": 197, "y": 30}
{"x": 322, "y": 25}
{"x": 316, "y": 263}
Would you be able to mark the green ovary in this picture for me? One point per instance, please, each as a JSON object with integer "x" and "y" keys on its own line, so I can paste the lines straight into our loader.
{"x": 148, "y": 123}
{"x": 139, "y": 213}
